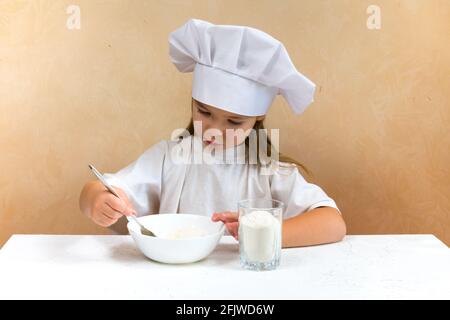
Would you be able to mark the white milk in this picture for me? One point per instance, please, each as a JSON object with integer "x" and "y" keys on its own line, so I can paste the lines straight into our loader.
{"x": 260, "y": 233}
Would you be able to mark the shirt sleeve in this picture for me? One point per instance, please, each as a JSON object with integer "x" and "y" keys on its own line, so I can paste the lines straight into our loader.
{"x": 141, "y": 180}
{"x": 298, "y": 196}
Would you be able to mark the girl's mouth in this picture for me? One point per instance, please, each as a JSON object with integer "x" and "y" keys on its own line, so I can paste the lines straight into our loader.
{"x": 211, "y": 142}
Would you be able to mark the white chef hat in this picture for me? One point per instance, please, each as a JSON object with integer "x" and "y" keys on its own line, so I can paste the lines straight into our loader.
{"x": 237, "y": 68}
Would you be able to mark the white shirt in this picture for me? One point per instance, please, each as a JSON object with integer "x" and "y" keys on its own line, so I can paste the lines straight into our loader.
{"x": 157, "y": 182}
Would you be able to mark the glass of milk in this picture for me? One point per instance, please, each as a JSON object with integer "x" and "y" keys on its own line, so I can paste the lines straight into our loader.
{"x": 260, "y": 222}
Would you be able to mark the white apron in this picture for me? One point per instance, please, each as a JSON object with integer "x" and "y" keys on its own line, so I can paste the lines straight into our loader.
{"x": 158, "y": 182}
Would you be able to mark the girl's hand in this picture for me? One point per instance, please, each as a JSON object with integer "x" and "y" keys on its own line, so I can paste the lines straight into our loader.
{"x": 231, "y": 220}
{"x": 106, "y": 208}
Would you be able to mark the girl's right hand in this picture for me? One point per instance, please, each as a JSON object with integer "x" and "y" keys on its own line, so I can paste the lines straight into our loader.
{"x": 106, "y": 208}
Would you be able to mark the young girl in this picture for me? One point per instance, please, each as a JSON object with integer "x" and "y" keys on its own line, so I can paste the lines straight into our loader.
{"x": 238, "y": 71}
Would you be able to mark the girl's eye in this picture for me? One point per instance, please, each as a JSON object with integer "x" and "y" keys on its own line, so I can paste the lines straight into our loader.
{"x": 236, "y": 123}
{"x": 206, "y": 113}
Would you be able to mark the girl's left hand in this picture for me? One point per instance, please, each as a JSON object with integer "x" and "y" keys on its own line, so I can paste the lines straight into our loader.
{"x": 231, "y": 220}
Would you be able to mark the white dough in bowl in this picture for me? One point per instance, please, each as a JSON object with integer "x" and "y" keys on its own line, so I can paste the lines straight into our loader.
{"x": 180, "y": 238}
{"x": 185, "y": 232}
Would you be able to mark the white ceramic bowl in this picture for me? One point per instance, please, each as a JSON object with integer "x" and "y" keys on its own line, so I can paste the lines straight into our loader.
{"x": 164, "y": 248}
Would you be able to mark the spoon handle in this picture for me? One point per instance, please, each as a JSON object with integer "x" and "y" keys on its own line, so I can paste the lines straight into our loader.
{"x": 103, "y": 181}
{"x": 100, "y": 177}
{"x": 109, "y": 187}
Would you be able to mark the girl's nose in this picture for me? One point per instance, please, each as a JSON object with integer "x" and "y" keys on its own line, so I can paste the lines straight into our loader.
{"x": 213, "y": 130}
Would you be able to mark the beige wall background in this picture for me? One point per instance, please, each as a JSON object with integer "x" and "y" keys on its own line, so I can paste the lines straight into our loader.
{"x": 376, "y": 138}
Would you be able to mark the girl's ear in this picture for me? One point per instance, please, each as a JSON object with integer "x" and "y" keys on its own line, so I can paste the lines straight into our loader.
{"x": 259, "y": 118}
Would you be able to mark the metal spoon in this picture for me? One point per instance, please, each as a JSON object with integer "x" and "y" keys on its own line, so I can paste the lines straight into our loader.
{"x": 144, "y": 230}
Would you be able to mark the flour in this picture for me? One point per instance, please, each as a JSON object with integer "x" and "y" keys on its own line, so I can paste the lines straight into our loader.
{"x": 260, "y": 233}
{"x": 186, "y": 232}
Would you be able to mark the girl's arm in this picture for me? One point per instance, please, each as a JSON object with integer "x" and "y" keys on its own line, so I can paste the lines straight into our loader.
{"x": 318, "y": 226}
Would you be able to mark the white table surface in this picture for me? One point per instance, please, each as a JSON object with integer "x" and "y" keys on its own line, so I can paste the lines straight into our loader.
{"x": 111, "y": 267}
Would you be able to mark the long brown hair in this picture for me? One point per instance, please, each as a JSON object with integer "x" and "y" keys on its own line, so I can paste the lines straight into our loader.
{"x": 259, "y": 125}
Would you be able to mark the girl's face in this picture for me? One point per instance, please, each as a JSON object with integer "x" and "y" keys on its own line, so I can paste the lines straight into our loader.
{"x": 222, "y": 127}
